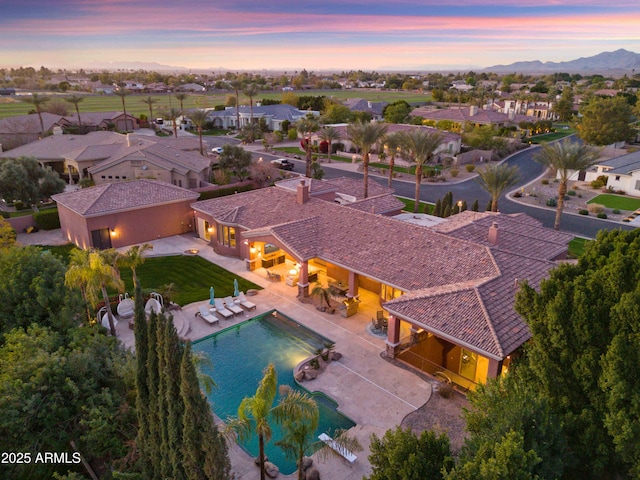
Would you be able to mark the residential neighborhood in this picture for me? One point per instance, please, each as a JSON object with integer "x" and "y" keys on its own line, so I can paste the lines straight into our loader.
{"x": 318, "y": 273}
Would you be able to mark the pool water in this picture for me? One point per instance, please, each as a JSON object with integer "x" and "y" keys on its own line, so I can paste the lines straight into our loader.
{"x": 240, "y": 353}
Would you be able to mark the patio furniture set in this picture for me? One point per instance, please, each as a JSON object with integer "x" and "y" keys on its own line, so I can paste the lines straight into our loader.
{"x": 225, "y": 308}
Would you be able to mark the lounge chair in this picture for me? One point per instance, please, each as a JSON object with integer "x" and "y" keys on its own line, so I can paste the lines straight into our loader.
{"x": 126, "y": 308}
{"x": 274, "y": 277}
{"x": 222, "y": 310}
{"x": 228, "y": 302}
{"x": 339, "y": 449}
{"x": 152, "y": 305}
{"x": 206, "y": 316}
{"x": 244, "y": 303}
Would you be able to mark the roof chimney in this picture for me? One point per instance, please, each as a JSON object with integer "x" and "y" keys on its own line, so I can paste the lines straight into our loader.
{"x": 302, "y": 192}
{"x": 128, "y": 140}
{"x": 473, "y": 110}
{"x": 494, "y": 234}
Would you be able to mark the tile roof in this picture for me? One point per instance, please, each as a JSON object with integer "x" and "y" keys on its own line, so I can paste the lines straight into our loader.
{"x": 114, "y": 197}
{"x": 402, "y": 127}
{"x": 625, "y": 164}
{"x": 381, "y": 205}
{"x": 28, "y": 123}
{"x": 463, "y": 114}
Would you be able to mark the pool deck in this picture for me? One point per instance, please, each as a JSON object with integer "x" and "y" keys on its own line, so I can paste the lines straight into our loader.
{"x": 374, "y": 393}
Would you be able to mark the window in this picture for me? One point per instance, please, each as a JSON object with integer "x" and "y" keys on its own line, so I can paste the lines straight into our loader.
{"x": 117, "y": 177}
{"x": 617, "y": 178}
{"x": 227, "y": 236}
{"x": 637, "y": 184}
{"x": 103, "y": 177}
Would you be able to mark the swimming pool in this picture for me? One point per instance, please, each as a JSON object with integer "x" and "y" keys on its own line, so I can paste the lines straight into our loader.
{"x": 240, "y": 353}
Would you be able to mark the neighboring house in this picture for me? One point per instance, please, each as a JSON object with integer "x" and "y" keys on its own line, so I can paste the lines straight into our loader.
{"x": 190, "y": 87}
{"x": 449, "y": 292}
{"x": 104, "y": 89}
{"x": 103, "y": 121}
{"x": 461, "y": 86}
{"x": 623, "y": 173}
{"x": 537, "y": 109}
{"x": 362, "y": 105}
{"x": 126, "y": 213}
{"x": 157, "y": 87}
{"x": 22, "y": 129}
{"x": 273, "y": 115}
{"x": 473, "y": 115}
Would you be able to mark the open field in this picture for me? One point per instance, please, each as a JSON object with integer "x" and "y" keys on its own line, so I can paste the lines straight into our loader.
{"x": 107, "y": 103}
{"x": 617, "y": 201}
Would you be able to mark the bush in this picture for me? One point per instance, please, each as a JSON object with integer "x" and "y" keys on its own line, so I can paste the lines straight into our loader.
{"x": 595, "y": 208}
{"x": 571, "y": 193}
{"x": 552, "y": 202}
{"x": 337, "y": 147}
{"x": 19, "y": 205}
{"x": 583, "y": 212}
{"x": 47, "y": 219}
{"x": 224, "y": 191}
{"x": 621, "y": 192}
{"x": 616, "y": 211}
{"x": 292, "y": 134}
{"x": 517, "y": 194}
{"x": 469, "y": 168}
{"x": 544, "y": 181}
{"x": 454, "y": 172}
{"x": 602, "y": 215}
{"x": 599, "y": 182}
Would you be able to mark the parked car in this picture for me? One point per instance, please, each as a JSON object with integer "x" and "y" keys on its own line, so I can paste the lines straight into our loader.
{"x": 283, "y": 164}
{"x": 217, "y": 150}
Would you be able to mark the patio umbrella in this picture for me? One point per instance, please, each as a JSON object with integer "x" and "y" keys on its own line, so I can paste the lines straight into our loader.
{"x": 211, "y": 297}
{"x": 236, "y": 292}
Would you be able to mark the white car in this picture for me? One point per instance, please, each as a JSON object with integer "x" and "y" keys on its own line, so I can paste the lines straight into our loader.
{"x": 217, "y": 150}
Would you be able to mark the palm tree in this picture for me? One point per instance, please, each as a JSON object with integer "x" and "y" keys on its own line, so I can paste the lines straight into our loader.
{"x": 150, "y": 101}
{"x": 174, "y": 114}
{"x": 237, "y": 85}
{"x": 134, "y": 257}
{"x": 495, "y": 179}
{"x": 250, "y": 91}
{"x": 306, "y": 126}
{"x": 392, "y": 143}
{"x": 364, "y": 136}
{"x": 255, "y": 413}
{"x": 420, "y": 145}
{"x": 93, "y": 272}
{"x": 181, "y": 98}
{"x": 123, "y": 93}
{"x": 250, "y": 132}
{"x": 37, "y": 101}
{"x": 330, "y": 134}
{"x": 75, "y": 100}
{"x": 323, "y": 294}
{"x": 199, "y": 119}
{"x": 565, "y": 158}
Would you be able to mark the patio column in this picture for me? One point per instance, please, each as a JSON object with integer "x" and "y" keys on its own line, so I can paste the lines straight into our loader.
{"x": 303, "y": 283}
{"x": 393, "y": 336}
{"x": 353, "y": 284}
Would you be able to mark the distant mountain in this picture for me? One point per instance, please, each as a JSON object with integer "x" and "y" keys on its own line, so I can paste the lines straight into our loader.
{"x": 619, "y": 61}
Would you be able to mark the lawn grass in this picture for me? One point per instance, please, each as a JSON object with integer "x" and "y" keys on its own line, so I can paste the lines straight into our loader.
{"x": 617, "y": 201}
{"x": 62, "y": 251}
{"x": 576, "y": 247}
{"x": 548, "y": 137}
{"x": 301, "y": 154}
{"x": 191, "y": 275}
{"x": 423, "y": 207}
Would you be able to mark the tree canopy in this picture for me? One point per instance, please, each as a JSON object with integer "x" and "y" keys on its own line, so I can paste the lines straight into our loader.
{"x": 605, "y": 121}
{"x": 236, "y": 160}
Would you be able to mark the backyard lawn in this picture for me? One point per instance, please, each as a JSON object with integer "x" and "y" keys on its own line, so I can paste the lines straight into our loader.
{"x": 617, "y": 201}
{"x": 423, "y": 207}
{"x": 576, "y": 247}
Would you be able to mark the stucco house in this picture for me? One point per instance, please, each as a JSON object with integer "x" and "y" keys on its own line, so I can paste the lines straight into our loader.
{"x": 125, "y": 213}
{"x": 473, "y": 115}
{"x": 273, "y": 115}
{"x": 623, "y": 173}
{"x": 363, "y": 105}
{"x": 448, "y": 291}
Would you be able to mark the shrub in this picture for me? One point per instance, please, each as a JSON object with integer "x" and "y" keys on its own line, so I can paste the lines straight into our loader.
{"x": 469, "y": 168}
{"x": 544, "y": 181}
{"x": 47, "y": 219}
{"x": 454, "y": 172}
{"x": 599, "y": 182}
{"x": 517, "y": 194}
{"x": 616, "y": 211}
{"x": 292, "y": 134}
{"x": 602, "y": 215}
{"x": 19, "y": 205}
{"x": 224, "y": 191}
{"x": 445, "y": 390}
{"x": 552, "y": 202}
{"x": 595, "y": 208}
{"x": 621, "y": 192}
{"x": 571, "y": 193}
{"x": 337, "y": 147}
{"x": 583, "y": 212}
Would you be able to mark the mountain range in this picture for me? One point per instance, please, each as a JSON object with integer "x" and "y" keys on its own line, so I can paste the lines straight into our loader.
{"x": 620, "y": 61}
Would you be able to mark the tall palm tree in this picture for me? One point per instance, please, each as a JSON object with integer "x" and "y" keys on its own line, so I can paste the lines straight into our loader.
{"x": 174, "y": 114}
{"x": 495, "y": 179}
{"x": 150, "y": 101}
{"x": 121, "y": 92}
{"x": 134, "y": 257}
{"x": 420, "y": 145}
{"x": 364, "y": 136}
{"x": 250, "y": 91}
{"x": 199, "y": 119}
{"x": 255, "y": 413}
{"x": 306, "y": 126}
{"x": 181, "y": 98}
{"x": 565, "y": 158}
{"x": 237, "y": 85}
{"x": 38, "y": 101}
{"x": 75, "y": 100}
{"x": 94, "y": 272}
{"x": 330, "y": 134}
{"x": 392, "y": 142}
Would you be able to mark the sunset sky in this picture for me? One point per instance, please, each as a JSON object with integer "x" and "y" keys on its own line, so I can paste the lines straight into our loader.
{"x": 316, "y": 35}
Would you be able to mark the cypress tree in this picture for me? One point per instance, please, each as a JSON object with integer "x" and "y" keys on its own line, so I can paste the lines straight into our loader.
{"x": 173, "y": 401}
{"x": 448, "y": 200}
{"x": 142, "y": 387}
{"x": 166, "y": 469}
{"x": 437, "y": 210}
{"x": 204, "y": 451}
{"x": 489, "y": 205}
{"x": 455, "y": 210}
{"x": 447, "y": 211}
{"x": 475, "y": 206}
{"x": 155, "y": 437}
{"x": 464, "y": 206}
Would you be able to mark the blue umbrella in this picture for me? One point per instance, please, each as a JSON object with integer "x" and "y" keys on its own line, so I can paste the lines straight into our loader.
{"x": 211, "y": 297}
{"x": 236, "y": 292}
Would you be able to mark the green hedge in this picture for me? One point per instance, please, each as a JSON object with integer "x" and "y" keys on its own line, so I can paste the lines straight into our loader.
{"x": 225, "y": 191}
{"x": 47, "y": 219}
